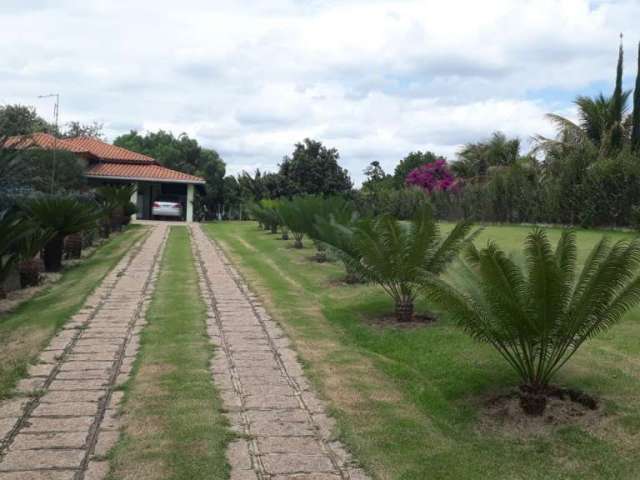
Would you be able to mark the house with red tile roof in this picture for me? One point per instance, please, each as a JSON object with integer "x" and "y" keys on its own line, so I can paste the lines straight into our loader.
{"x": 109, "y": 164}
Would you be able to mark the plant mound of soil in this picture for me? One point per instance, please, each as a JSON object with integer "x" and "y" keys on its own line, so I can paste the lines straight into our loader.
{"x": 564, "y": 406}
{"x": 391, "y": 321}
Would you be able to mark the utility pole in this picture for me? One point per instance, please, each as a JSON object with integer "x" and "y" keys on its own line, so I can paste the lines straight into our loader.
{"x": 56, "y": 112}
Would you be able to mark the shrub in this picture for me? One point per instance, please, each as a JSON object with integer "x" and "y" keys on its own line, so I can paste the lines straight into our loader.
{"x": 434, "y": 176}
{"x": 64, "y": 215}
{"x": 396, "y": 254}
{"x": 13, "y": 228}
{"x": 538, "y": 317}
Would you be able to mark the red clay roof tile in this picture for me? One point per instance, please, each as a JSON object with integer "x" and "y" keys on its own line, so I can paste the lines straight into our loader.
{"x": 140, "y": 172}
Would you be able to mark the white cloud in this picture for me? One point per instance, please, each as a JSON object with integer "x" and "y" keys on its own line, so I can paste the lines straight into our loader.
{"x": 375, "y": 79}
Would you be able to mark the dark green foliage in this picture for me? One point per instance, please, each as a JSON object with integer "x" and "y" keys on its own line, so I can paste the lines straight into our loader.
{"x": 21, "y": 120}
{"x": 38, "y": 170}
{"x": 313, "y": 169}
{"x": 64, "y": 215}
{"x": 635, "y": 128}
{"x": 13, "y": 229}
{"x": 539, "y": 316}
{"x": 402, "y": 204}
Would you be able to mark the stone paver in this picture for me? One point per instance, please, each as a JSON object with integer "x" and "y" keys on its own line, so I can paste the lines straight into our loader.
{"x": 262, "y": 384}
{"x": 66, "y": 420}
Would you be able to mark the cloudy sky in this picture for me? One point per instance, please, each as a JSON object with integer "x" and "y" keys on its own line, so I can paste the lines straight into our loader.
{"x": 374, "y": 78}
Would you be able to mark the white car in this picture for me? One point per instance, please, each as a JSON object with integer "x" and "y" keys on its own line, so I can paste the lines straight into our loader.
{"x": 167, "y": 207}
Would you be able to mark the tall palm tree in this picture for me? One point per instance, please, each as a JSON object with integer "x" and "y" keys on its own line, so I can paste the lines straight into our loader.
{"x": 476, "y": 159}
{"x": 601, "y": 121}
{"x": 538, "y": 317}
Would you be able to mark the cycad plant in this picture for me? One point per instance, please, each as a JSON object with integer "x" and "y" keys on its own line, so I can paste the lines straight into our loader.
{"x": 13, "y": 228}
{"x": 266, "y": 214}
{"x": 30, "y": 265}
{"x": 115, "y": 200}
{"x": 63, "y": 215}
{"x": 538, "y": 316}
{"x": 337, "y": 233}
{"x": 395, "y": 254}
{"x": 298, "y": 215}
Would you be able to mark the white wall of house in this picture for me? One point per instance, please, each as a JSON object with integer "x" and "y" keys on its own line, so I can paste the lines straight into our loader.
{"x": 190, "y": 195}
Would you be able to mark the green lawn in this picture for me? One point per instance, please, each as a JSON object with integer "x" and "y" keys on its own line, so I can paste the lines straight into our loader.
{"x": 27, "y": 330}
{"x": 408, "y": 402}
{"x": 174, "y": 428}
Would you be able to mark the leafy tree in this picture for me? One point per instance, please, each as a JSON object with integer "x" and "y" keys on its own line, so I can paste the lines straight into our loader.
{"x": 377, "y": 179}
{"x": 538, "y": 318}
{"x": 396, "y": 255}
{"x": 186, "y": 155}
{"x": 22, "y": 120}
{"x": 33, "y": 168}
{"x": 411, "y": 162}
{"x": 77, "y": 129}
{"x": 313, "y": 169}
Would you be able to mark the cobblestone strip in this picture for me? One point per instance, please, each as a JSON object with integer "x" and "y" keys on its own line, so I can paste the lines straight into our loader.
{"x": 287, "y": 433}
{"x": 66, "y": 419}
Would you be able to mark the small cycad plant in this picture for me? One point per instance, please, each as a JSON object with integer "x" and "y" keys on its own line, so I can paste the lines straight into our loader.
{"x": 538, "y": 315}
{"x": 395, "y": 254}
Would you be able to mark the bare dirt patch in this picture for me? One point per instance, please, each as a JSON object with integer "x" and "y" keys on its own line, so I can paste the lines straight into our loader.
{"x": 502, "y": 414}
{"x": 390, "y": 321}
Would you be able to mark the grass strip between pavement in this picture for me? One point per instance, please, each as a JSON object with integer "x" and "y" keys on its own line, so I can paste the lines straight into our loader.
{"x": 173, "y": 425}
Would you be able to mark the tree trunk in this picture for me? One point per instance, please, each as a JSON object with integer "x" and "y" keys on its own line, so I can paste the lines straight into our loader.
{"x": 533, "y": 400}
{"x": 3, "y": 293}
{"x": 73, "y": 245}
{"x": 53, "y": 254}
{"x": 404, "y": 310}
{"x": 274, "y": 229}
{"x": 105, "y": 228}
{"x": 297, "y": 243}
{"x": 30, "y": 272}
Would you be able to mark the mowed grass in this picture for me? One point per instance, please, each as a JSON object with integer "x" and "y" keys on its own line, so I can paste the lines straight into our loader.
{"x": 409, "y": 403}
{"x": 173, "y": 425}
{"x": 27, "y": 329}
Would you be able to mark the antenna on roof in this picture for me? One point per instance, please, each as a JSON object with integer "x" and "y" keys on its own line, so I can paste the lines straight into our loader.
{"x": 56, "y": 112}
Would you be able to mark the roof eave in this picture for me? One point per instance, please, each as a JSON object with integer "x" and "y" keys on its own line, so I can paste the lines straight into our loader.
{"x": 146, "y": 179}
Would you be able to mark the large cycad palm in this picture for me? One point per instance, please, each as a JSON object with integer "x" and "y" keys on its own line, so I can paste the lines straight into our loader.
{"x": 538, "y": 317}
{"x": 63, "y": 215}
{"x": 395, "y": 254}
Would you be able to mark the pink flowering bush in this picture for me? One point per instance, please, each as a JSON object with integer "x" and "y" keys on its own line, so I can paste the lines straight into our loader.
{"x": 434, "y": 176}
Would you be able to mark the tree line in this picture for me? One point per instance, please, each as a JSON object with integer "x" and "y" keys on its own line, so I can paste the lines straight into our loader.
{"x": 588, "y": 174}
